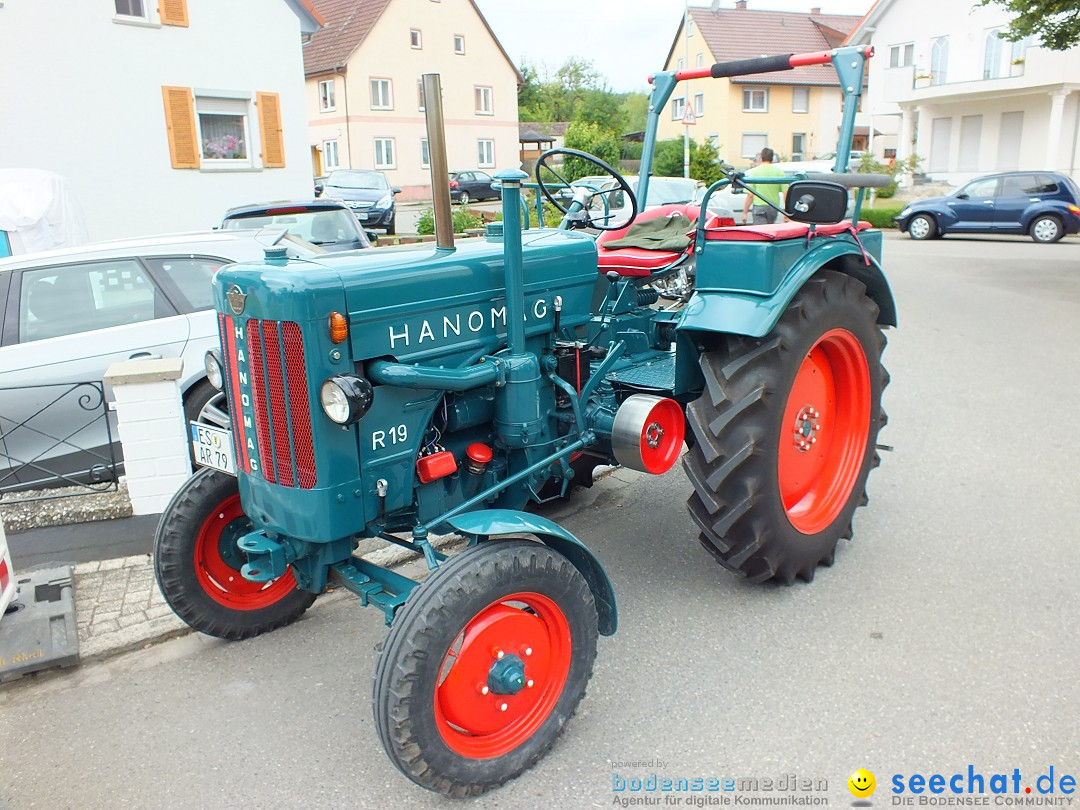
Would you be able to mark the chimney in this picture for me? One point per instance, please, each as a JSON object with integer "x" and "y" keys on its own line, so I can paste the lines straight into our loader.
{"x": 740, "y": 4}
{"x": 816, "y": 10}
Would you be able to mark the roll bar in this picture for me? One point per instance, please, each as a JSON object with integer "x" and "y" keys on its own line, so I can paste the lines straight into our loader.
{"x": 762, "y": 64}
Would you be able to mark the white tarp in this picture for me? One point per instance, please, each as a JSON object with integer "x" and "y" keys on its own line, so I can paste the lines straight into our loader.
{"x": 37, "y": 205}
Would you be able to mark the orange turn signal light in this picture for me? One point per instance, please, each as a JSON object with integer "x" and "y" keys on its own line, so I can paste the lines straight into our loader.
{"x": 339, "y": 327}
{"x": 1074, "y": 209}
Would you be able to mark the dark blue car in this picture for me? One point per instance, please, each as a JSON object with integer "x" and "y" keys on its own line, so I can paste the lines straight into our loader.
{"x": 368, "y": 194}
{"x": 1042, "y": 205}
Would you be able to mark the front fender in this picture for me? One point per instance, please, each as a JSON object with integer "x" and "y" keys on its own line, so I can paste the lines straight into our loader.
{"x": 756, "y": 315}
{"x": 488, "y": 523}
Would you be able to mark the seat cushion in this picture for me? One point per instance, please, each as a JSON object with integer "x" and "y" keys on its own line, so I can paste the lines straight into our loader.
{"x": 778, "y": 230}
{"x": 631, "y": 261}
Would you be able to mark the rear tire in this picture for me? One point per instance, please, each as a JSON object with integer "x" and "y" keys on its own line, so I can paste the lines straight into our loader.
{"x": 1046, "y": 229}
{"x": 771, "y": 502}
{"x": 464, "y": 198}
{"x": 922, "y": 226}
{"x": 197, "y": 564}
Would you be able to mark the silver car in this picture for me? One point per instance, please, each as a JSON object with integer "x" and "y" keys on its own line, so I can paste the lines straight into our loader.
{"x": 67, "y": 315}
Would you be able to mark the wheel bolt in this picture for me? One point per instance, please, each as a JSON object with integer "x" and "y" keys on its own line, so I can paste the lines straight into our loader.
{"x": 813, "y": 440}
{"x": 498, "y": 653}
{"x": 483, "y": 689}
{"x": 528, "y": 650}
{"x": 529, "y": 683}
{"x": 503, "y": 707}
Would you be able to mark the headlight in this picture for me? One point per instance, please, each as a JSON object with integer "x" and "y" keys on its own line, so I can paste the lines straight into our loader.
{"x": 214, "y": 374}
{"x": 385, "y": 202}
{"x": 905, "y": 212}
{"x": 346, "y": 398}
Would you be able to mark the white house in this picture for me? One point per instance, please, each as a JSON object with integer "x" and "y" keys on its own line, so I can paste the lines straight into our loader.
{"x": 944, "y": 85}
{"x": 160, "y": 113}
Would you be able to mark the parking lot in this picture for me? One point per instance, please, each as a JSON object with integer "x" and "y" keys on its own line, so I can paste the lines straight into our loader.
{"x": 943, "y": 637}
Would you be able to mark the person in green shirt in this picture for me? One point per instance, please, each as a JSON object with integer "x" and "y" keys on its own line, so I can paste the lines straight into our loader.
{"x": 763, "y": 214}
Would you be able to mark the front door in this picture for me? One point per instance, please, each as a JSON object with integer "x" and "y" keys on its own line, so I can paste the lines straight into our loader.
{"x": 973, "y": 206}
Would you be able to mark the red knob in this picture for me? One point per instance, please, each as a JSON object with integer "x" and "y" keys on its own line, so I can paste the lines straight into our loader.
{"x": 479, "y": 452}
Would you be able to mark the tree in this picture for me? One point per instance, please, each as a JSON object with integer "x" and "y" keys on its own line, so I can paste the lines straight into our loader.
{"x": 1055, "y": 22}
{"x": 705, "y": 163}
{"x": 603, "y": 109}
{"x": 588, "y": 137}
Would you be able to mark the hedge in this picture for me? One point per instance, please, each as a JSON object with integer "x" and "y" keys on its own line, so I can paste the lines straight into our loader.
{"x": 881, "y": 217}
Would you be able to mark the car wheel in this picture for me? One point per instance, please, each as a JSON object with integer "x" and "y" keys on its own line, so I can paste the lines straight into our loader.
{"x": 204, "y": 403}
{"x": 921, "y": 227}
{"x": 464, "y": 198}
{"x": 1046, "y": 229}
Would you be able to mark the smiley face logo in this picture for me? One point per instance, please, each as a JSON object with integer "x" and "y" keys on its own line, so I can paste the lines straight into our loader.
{"x": 861, "y": 783}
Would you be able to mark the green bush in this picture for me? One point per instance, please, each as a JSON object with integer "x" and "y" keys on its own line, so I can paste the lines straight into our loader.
{"x": 589, "y": 138}
{"x": 881, "y": 217}
{"x": 463, "y": 220}
{"x": 552, "y": 215}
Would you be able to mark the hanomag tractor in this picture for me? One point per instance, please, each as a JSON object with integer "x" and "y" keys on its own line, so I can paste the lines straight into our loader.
{"x": 404, "y": 392}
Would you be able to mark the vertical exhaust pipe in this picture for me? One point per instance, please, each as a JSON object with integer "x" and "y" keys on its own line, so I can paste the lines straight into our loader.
{"x": 440, "y": 171}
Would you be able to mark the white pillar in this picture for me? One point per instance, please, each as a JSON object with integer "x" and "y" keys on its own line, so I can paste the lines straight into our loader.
{"x": 1053, "y": 139}
{"x": 150, "y": 419}
{"x": 907, "y": 127}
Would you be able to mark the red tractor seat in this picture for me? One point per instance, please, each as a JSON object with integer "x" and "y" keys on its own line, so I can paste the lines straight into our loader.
{"x": 633, "y": 261}
{"x": 776, "y": 231}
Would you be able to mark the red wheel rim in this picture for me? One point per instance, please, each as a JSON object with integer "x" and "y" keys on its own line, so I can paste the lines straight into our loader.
{"x": 824, "y": 433}
{"x": 469, "y": 716}
{"x": 219, "y": 579}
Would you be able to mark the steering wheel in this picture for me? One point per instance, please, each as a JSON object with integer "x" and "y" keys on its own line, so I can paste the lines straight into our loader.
{"x": 623, "y": 186}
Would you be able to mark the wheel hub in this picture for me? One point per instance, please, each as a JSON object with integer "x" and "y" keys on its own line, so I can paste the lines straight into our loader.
{"x": 507, "y": 675}
{"x": 807, "y": 427}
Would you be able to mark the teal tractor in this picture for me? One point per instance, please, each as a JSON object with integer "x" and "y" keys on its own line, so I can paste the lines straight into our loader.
{"x": 414, "y": 392}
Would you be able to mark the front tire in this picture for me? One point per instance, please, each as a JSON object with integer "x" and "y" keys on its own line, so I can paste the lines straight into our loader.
{"x": 391, "y": 226}
{"x": 484, "y": 665}
{"x": 197, "y": 564}
{"x": 922, "y": 226}
{"x": 1046, "y": 229}
{"x": 784, "y": 435}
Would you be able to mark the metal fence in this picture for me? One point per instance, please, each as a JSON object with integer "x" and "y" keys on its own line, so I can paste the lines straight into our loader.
{"x": 52, "y": 436}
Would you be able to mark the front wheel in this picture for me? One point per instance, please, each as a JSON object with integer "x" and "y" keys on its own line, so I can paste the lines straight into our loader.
{"x": 1047, "y": 229}
{"x": 922, "y": 226}
{"x": 484, "y": 665}
{"x": 785, "y": 433}
{"x": 391, "y": 226}
{"x": 197, "y": 564}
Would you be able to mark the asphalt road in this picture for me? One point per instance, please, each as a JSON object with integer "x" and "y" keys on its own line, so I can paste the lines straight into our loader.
{"x": 944, "y": 636}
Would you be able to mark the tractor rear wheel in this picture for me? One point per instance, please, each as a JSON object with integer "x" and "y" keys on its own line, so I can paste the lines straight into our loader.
{"x": 484, "y": 665}
{"x": 197, "y": 564}
{"x": 785, "y": 433}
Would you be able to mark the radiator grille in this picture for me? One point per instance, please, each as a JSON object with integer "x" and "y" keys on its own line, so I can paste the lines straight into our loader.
{"x": 277, "y": 375}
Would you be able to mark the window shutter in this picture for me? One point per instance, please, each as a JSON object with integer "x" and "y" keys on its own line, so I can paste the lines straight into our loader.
{"x": 273, "y": 144}
{"x": 180, "y": 123}
{"x": 173, "y": 12}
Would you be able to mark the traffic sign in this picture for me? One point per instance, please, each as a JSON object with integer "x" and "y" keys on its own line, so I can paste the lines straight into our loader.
{"x": 688, "y": 117}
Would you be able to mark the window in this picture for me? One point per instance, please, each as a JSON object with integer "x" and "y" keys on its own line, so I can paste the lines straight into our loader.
{"x": 992, "y": 54}
{"x": 1010, "y": 133}
{"x": 384, "y": 153}
{"x": 753, "y": 143}
{"x": 382, "y": 94}
{"x": 131, "y": 8}
{"x": 66, "y": 300}
{"x": 800, "y": 99}
{"x": 889, "y": 154}
{"x": 798, "y": 145}
{"x": 484, "y": 104}
{"x": 415, "y": 38}
{"x": 1019, "y": 185}
{"x": 485, "y": 153}
{"x": 425, "y": 154}
{"x": 192, "y": 276}
{"x": 223, "y": 130}
{"x": 939, "y": 60}
{"x": 1017, "y": 56}
{"x": 459, "y": 44}
{"x": 970, "y": 137}
{"x": 755, "y": 100}
{"x": 326, "y": 95}
{"x": 700, "y": 62}
{"x": 902, "y": 55}
{"x": 678, "y": 108}
{"x": 420, "y": 94}
{"x": 699, "y": 104}
{"x": 680, "y": 64}
{"x": 980, "y": 189}
{"x": 330, "y": 155}
{"x": 690, "y": 27}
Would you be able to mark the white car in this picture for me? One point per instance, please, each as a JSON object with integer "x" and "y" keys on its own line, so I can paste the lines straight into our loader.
{"x": 821, "y": 163}
{"x": 662, "y": 191}
{"x": 67, "y": 315}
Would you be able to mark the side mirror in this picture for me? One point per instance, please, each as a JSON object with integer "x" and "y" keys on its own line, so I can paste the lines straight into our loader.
{"x": 962, "y": 197}
{"x": 819, "y": 203}
{"x": 371, "y": 236}
{"x": 319, "y": 189}
{"x": 396, "y": 190}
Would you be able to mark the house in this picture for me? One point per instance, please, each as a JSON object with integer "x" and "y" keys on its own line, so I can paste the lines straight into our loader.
{"x": 948, "y": 88}
{"x": 536, "y": 137}
{"x": 364, "y": 102}
{"x": 160, "y": 115}
{"x": 794, "y": 112}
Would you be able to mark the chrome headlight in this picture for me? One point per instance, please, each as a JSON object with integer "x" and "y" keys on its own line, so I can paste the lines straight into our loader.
{"x": 214, "y": 372}
{"x": 346, "y": 398}
{"x": 905, "y": 212}
{"x": 384, "y": 202}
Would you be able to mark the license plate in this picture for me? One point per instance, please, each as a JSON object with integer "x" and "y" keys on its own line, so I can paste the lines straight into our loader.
{"x": 213, "y": 447}
{"x": 361, "y": 217}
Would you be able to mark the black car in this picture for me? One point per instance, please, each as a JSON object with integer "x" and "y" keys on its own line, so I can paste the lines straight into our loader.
{"x": 367, "y": 193}
{"x": 1040, "y": 204}
{"x": 468, "y": 186}
{"x": 326, "y": 223}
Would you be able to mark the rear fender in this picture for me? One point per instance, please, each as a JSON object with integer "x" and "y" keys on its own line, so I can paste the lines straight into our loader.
{"x": 491, "y": 523}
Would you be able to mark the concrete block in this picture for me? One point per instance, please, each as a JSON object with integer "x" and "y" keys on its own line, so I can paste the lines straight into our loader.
{"x": 144, "y": 371}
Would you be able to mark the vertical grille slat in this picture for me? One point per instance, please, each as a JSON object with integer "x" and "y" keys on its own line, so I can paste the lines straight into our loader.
{"x": 296, "y": 372}
{"x": 274, "y": 373}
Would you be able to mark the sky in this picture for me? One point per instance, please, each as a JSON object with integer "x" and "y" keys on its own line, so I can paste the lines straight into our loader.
{"x": 625, "y": 39}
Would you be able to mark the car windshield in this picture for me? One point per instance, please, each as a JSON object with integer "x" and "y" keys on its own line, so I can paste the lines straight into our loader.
{"x": 663, "y": 190}
{"x": 324, "y": 227}
{"x": 357, "y": 179}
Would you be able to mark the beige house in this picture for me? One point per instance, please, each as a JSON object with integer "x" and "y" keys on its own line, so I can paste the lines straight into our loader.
{"x": 365, "y": 108}
{"x": 795, "y": 112}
